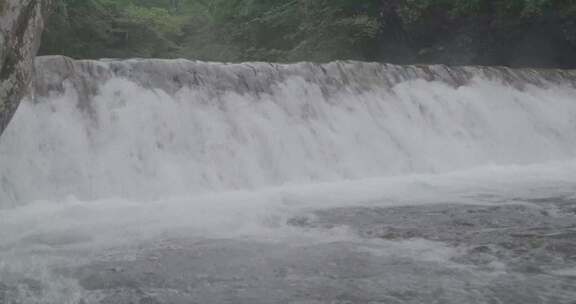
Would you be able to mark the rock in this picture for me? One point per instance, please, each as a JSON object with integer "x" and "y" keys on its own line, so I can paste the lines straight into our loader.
{"x": 21, "y": 25}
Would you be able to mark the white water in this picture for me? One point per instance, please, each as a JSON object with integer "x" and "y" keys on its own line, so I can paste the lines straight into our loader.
{"x": 206, "y": 153}
{"x": 118, "y": 153}
{"x": 145, "y": 143}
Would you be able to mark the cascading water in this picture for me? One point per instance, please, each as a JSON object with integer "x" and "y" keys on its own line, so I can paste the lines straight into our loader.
{"x": 150, "y": 128}
{"x": 172, "y": 181}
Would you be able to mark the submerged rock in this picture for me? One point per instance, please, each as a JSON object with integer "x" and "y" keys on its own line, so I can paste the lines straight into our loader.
{"x": 21, "y": 24}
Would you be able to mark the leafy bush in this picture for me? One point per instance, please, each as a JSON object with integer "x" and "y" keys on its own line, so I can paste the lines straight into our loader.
{"x": 295, "y": 30}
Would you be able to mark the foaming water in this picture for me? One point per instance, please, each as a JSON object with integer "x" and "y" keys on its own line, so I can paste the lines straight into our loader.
{"x": 217, "y": 172}
{"x": 39, "y": 239}
{"x": 265, "y": 213}
{"x": 150, "y": 129}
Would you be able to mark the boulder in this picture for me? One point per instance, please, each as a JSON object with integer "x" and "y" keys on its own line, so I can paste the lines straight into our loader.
{"x": 21, "y": 25}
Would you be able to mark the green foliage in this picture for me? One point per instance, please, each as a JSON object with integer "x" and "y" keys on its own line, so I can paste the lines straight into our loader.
{"x": 413, "y": 10}
{"x": 228, "y": 30}
{"x": 281, "y": 30}
{"x": 109, "y": 28}
{"x": 277, "y": 30}
{"x": 157, "y": 18}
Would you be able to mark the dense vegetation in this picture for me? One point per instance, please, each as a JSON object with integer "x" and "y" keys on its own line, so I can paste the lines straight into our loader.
{"x": 506, "y": 32}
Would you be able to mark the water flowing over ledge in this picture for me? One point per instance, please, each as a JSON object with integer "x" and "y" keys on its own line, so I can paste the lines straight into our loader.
{"x": 150, "y": 128}
{"x": 259, "y": 77}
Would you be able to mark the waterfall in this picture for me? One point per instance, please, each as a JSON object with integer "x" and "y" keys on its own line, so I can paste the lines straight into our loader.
{"x": 147, "y": 128}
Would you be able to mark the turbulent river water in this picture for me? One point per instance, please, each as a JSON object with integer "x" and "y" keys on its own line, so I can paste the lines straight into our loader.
{"x": 171, "y": 181}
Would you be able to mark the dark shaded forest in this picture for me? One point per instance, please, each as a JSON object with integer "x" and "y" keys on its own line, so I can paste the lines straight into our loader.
{"x": 517, "y": 33}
